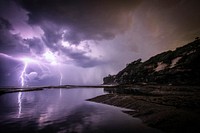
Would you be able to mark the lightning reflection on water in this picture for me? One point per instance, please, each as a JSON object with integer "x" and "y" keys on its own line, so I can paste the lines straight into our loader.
{"x": 19, "y": 104}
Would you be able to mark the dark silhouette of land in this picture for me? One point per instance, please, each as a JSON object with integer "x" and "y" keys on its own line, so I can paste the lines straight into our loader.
{"x": 164, "y": 91}
{"x": 171, "y": 109}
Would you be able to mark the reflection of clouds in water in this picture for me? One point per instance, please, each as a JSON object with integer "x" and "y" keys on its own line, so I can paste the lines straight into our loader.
{"x": 47, "y": 106}
{"x": 43, "y": 118}
{"x": 80, "y": 120}
{"x": 45, "y": 111}
{"x": 60, "y": 93}
{"x": 98, "y": 118}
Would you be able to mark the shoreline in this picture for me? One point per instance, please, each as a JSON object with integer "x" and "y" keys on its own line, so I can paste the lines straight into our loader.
{"x": 170, "y": 109}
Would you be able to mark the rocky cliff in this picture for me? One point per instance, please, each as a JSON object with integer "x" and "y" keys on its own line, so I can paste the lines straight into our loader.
{"x": 178, "y": 67}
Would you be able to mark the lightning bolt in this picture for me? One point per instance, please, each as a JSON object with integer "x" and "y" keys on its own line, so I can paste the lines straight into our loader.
{"x": 23, "y": 74}
{"x": 52, "y": 59}
{"x": 26, "y": 61}
{"x": 61, "y": 78}
{"x": 22, "y": 77}
{"x": 43, "y": 62}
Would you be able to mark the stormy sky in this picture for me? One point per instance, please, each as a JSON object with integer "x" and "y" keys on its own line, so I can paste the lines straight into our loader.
{"x": 81, "y": 41}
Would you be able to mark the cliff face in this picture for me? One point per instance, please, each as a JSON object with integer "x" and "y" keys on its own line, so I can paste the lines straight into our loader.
{"x": 179, "y": 67}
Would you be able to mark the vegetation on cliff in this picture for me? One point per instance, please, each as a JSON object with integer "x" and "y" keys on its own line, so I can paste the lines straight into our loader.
{"x": 178, "y": 67}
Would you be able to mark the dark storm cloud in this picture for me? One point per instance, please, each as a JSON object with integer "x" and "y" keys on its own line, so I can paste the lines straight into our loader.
{"x": 83, "y": 19}
{"x": 6, "y": 39}
{"x": 36, "y": 45}
{"x": 85, "y": 61}
{"x": 76, "y": 20}
{"x": 117, "y": 31}
{"x": 9, "y": 43}
{"x": 172, "y": 20}
{"x": 52, "y": 34}
{"x": 186, "y": 18}
{"x": 13, "y": 44}
{"x": 80, "y": 58}
{"x": 5, "y": 25}
{"x": 9, "y": 74}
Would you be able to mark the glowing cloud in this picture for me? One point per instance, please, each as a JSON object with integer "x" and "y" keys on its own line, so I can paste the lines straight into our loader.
{"x": 50, "y": 57}
{"x": 28, "y": 60}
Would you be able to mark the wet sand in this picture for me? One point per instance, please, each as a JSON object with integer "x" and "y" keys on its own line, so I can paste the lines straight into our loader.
{"x": 171, "y": 109}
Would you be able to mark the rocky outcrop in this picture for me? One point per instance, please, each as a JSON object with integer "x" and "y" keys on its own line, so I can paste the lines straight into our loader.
{"x": 178, "y": 67}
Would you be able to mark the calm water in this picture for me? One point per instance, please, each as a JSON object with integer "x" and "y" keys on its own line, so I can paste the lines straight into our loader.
{"x": 64, "y": 111}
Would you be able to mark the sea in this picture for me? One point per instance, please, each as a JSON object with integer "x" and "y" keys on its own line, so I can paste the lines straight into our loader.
{"x": 64, "y": 111}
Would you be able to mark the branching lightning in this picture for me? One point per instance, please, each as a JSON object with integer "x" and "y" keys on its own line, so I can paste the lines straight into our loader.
{"x": 26, "y": 61}
{"x": 23, "y": 82}
{"x": 45, "y": 62}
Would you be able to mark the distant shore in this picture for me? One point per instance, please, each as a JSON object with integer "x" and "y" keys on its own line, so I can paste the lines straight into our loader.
{"x": 171, "y": 109}
{"x": 11, "y": 89}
